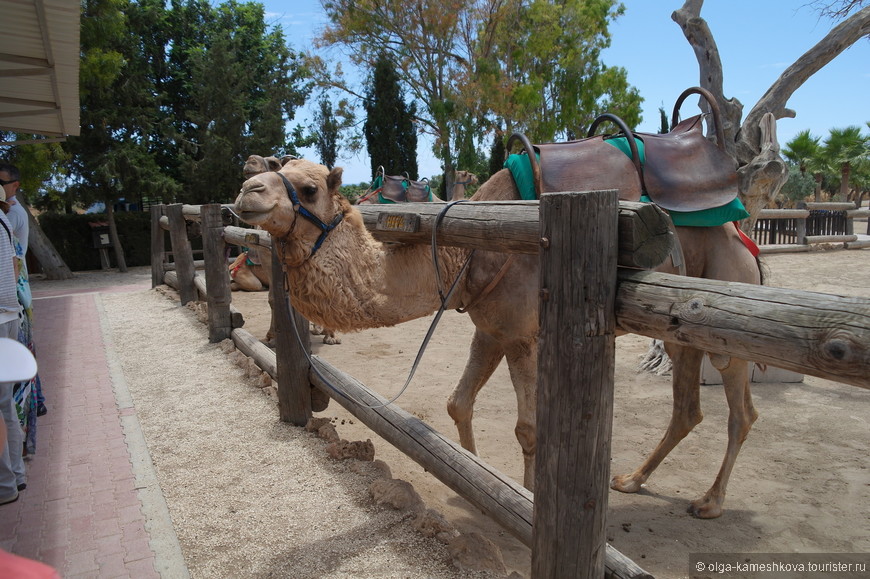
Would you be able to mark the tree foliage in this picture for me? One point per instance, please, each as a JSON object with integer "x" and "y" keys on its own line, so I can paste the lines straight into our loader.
{"x": 840, "y": 164}
{"x": 176, "y": 95}
{"x": 476, "y": 68}
{"x": 390, "y": 136}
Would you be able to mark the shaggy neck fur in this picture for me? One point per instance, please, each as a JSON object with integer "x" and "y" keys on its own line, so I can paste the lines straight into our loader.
{"x": 355, "y": 282}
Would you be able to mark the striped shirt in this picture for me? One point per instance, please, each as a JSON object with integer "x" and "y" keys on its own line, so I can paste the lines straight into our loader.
{"x": 9, "y": 306}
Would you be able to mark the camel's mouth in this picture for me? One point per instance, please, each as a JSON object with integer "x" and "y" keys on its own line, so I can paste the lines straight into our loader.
{"x": 252, "y": 217}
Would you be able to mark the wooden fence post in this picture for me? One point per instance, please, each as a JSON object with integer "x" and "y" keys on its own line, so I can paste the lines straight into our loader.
{"x": 217, "y": 277}
{"x": 182, "y": 254}
{"x": 294, "y": 388}
{"x": 801, "y": 231}
{"x": 576, "y": 361}
{"x": 158, "y": 246}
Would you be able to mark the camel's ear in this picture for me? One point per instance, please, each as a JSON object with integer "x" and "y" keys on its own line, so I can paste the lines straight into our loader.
{"x": 333, "y": 182}
{"x": 286, "y": 159}
{"x": 273, "y": 163}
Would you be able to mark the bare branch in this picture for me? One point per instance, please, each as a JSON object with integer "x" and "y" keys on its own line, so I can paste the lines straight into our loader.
{"x": 774, "y": 100}
{"x": 837, "y": 9}
{"x": 698, "y": 34}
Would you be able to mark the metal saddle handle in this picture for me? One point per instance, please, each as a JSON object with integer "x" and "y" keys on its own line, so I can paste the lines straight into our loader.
{"x": 714, "y": 109}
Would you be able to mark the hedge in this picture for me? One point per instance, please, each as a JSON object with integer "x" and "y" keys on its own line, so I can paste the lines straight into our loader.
{"x": 72, "y": 237}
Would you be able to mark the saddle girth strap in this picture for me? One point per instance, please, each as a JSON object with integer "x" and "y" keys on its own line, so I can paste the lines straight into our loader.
{"x": 492, "y": 285}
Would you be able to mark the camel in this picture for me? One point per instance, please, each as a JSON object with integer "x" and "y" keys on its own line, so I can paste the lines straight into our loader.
{"x": 463, "y": 178}
{"x": 342, "y": 278}
{"x": 248, "y": 273}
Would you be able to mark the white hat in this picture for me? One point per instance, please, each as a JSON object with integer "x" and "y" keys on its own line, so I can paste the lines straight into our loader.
{"x": 17, "y": 364}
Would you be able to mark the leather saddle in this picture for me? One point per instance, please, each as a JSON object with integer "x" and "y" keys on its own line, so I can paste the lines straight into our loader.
{"x": 402, "y": 189}
{"x": 682, "y": 170}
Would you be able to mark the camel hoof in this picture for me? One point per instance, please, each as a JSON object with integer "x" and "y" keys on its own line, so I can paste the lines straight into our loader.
{"x": 705, "y": 509}
{"x": 331, "y": 340}
{"x": 625, "y": 484}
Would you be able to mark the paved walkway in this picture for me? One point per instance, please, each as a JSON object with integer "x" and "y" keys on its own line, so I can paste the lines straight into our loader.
{"x": 92, "y": 507}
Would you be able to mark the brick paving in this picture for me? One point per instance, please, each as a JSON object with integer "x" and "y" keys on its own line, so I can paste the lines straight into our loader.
{"x": 81, "y": 511}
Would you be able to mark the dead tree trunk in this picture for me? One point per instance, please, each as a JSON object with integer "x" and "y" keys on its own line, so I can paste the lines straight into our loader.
{"x": 753, "y": 143}
{"x": 113, "y": 235}
{"x": 52, "y": 264}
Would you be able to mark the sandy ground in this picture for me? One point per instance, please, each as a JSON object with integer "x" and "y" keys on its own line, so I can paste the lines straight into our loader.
{"x": 246, "y": 491}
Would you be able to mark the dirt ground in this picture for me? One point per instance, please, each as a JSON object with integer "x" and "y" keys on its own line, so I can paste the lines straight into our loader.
{"x": 801, "y": 484}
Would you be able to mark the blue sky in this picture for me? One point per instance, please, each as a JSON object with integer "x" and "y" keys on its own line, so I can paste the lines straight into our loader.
{"x": 757, "y": 40}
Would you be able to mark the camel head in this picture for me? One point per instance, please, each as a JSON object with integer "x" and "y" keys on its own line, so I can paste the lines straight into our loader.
{"x": 466, "y": 178}
{"x": 298, "y": 202}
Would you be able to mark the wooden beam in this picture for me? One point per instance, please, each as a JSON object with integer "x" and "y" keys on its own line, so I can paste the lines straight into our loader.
{"x": 830, "y": 238}
{"x": 158, "y": 247}
{"x": 645, "y": 240}
{"x": 181, "y": 252}
{"x": 496, "y": 494}
{"x": 216, "y": 274}
{"x": 575, "y": 401}
{"x": 292, "y": 343}
{"x": 806, "y": 332}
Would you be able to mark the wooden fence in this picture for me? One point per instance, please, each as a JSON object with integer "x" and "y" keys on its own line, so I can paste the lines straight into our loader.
{"x": 793, "y": 230}
{"x": 810, "y": 333}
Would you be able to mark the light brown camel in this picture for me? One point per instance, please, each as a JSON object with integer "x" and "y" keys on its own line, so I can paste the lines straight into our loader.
{"x": 462, "y": 180}
{"x": 248, "y": 274}
{"x": 342, "y": 278}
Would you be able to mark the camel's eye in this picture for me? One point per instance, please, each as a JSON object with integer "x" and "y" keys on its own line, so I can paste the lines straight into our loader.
{"x": 308, "y": 191}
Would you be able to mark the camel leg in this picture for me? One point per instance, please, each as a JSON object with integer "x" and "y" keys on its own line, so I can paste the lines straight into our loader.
{"x": 484, "y": 357}
{"x": 741, "y": 416}
{"x": 685, "y": 416}
{"x": 522, "y": 361}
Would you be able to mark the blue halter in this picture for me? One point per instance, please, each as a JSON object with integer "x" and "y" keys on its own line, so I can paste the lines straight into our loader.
{"x": 324, "y": 228}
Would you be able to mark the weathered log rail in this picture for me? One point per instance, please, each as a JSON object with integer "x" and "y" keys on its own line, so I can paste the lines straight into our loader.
{"x": 811, "y": 333}
{"x": 796, "y": 230}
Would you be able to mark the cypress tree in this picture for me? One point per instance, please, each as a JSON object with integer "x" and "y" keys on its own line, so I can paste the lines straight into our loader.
{"x": 389, "y": 128}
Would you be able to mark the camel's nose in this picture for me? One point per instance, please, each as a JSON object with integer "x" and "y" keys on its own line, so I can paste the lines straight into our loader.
{"x": 251, "y": 187}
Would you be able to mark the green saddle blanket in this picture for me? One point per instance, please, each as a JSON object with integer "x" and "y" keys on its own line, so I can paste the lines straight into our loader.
{"x": 521, "y": 170}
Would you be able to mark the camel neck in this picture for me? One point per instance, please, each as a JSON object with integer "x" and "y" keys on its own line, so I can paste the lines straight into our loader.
{"x": 355, "y": 282}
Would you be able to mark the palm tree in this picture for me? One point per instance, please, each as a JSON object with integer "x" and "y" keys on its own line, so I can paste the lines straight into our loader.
{"x": 844, "y": 148}
{"x": 806, "y": 152}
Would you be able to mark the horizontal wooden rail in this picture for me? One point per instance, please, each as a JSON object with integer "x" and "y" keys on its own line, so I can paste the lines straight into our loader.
{"x": 504, "y": 500}
{"x": 645, "y": 238}
{"x": 170, "y": 278}
{"x": 807, "y": 332}
{"x": 783, "y": 214}
{"x": 830, "y": 205}
{"x": 841, "y": 238}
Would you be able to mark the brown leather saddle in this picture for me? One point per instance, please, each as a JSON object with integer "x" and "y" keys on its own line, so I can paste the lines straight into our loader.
{"x": 403, "y": 189}
{"x": 682, "y": 170}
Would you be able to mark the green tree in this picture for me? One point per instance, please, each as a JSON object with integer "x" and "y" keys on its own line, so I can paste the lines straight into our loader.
{"x": 326, "y": 133}
{"x": 538, "y": 64}
{"x": 497, "y": 156}
{"x": 843, "y": 149}
{"x": 479, "y": 63}
{"x": 234, "y": 85}
{"x": 805, "y": 152}
{"x": 664, "y": 124}
{"x": 389, "y": 126}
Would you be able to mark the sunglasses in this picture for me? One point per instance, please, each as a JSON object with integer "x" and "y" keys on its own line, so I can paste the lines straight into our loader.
{"x": 3, "y": 182}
